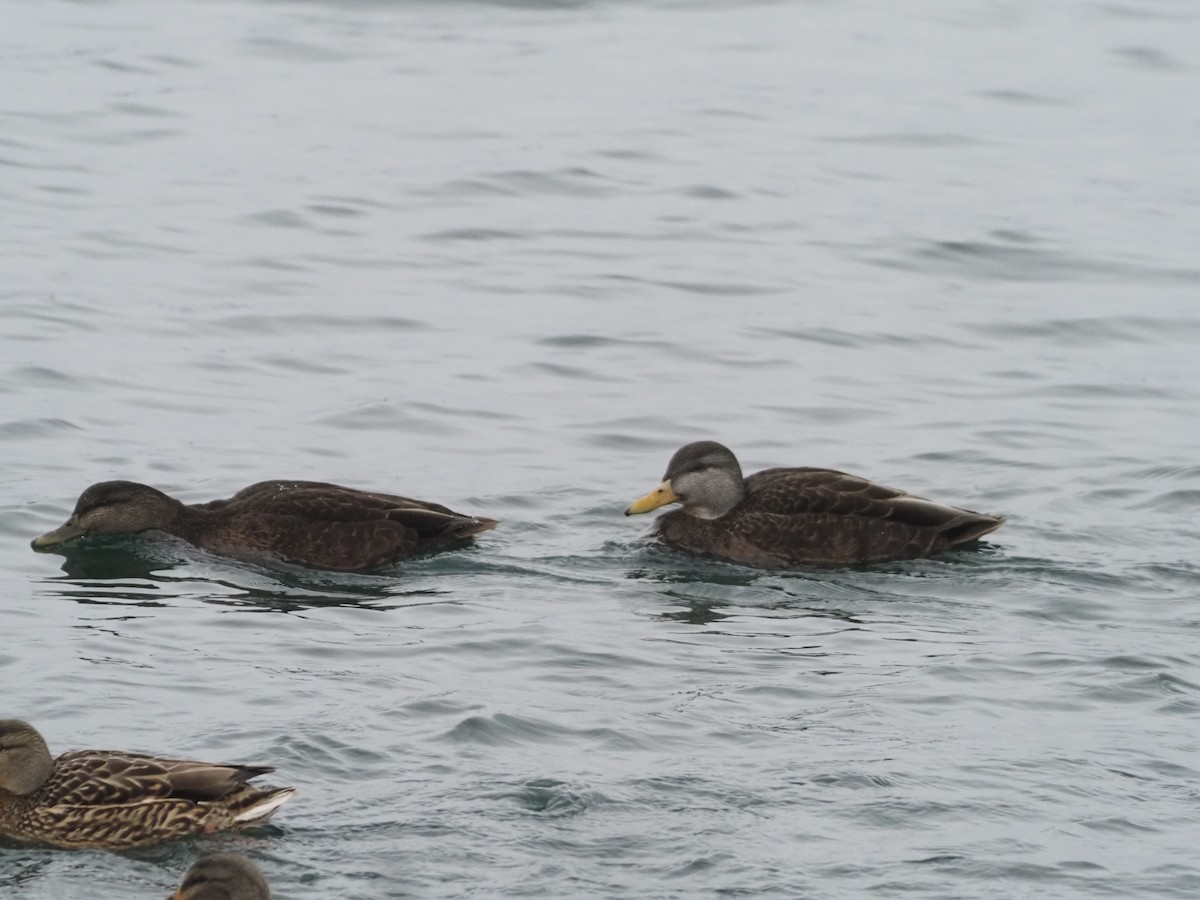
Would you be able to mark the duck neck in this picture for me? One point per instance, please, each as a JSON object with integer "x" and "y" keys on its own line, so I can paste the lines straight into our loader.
{"x": 191, "y": 522}
{"x": 715, "y": 496}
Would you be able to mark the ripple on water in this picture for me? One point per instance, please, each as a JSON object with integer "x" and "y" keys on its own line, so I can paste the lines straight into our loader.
{"x": 43, "y": 319}
{"x": 1023, "y": 98}
{"x": 709, "y": 288}
{"x": 456, "y": 235}
{"x": 34, "y": 429}
{"x": 575, "y": 181}
{"x": 43, "y": 377}
{"x": 1150, "y": 59}
{"x": 1089, "y": 331}
{"x": 863, "y": 338}
{"x": 1007, "y": 257}
{"x": 1183, "y": 501}
{"x": 311, "y": 324}
{"x": 504, "y": 729}
{"x": 388, "y": 417}
{"x": 553, "y": 799}
{"x": 279, "y": 218}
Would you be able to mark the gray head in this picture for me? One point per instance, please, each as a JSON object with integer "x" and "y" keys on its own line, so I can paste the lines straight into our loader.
{"x": 704, "y": 476}
{"x": 223, "y": 876}
{"x": 25, "y": 761}
{"x": 113, "y": 507}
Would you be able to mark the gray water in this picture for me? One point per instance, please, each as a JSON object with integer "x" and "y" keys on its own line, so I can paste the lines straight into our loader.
{"x": 508, "y": 257}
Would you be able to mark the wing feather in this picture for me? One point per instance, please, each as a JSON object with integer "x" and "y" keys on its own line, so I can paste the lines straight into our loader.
{"x": 104, "y": 778}
{"x": 325, "y": 525}
{"x": 806, "y": 516}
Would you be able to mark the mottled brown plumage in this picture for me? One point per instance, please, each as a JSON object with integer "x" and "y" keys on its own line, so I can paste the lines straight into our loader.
{"x": 223, "y": 876}
{"x": 800, "y": 516}
{"x": 111, "y": 800}
{"x": 308, "y": 523}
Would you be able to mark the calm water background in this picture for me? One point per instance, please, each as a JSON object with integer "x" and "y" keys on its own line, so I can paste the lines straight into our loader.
{"x": 508, "y": 257}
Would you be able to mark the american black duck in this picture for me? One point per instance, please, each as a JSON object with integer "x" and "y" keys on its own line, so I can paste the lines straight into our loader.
{"x": 110, "y": 800}
{"x": 223, "y": 876}
{"x": 308, "y": 523}
{"x": 790, "y": 517}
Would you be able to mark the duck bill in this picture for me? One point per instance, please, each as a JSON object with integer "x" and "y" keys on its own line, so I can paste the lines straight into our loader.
{"x": 66, "y": 532}
{"x": 660, "y": 496}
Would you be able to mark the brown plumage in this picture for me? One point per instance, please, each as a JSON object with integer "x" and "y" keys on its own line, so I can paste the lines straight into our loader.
{"x": 802, "y": 516}
{"x": 308, "y": 523}
{"x": 110, "y": 800}
{"x": 223, "y": 876}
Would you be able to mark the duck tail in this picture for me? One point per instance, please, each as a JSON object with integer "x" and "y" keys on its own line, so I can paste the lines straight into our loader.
{"x": 970, "y": 527}
{"x": 263, "y": 806}
{"x": 474, "y": 525}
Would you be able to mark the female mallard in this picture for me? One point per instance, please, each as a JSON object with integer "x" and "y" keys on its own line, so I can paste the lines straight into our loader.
{"x": 791, "y": 517}
{"x": 309, "y": 523}
{"x": 223, "y": 876}
{"x": 108, "y": 800}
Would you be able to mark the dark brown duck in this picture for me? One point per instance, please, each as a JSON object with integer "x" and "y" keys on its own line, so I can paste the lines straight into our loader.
{"x": 112, "y": 800}
{"x": 223, "y": 876}
{"x": 801, "y": 516}
{"x": 308, "y": 523}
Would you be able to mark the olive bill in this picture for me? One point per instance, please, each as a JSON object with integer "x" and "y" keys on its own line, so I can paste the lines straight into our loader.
{"x": 68, "y": 531}
{"x": 660, "y": 496}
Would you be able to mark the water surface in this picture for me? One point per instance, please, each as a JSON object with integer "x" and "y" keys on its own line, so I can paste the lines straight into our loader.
{"x": 508, "y": 257}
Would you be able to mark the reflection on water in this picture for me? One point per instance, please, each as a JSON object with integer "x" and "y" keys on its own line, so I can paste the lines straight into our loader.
{"x": 694, "y": 612}
{"x": 115, "y": 557}
{"x": 106, "y": 571}
{"x": 283, "y": 601}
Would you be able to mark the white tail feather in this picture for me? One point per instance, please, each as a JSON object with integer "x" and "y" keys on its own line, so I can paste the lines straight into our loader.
{"x": 264, "y": 808}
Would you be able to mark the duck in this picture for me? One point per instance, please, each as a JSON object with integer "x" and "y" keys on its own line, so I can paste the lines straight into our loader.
{"x": 786, "y": 517}
{"x": 306, "y": 523}
{"x": 223, "y": 876}
{"x": 112, "y": 800}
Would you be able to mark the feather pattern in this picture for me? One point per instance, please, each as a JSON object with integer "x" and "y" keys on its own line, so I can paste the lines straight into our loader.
{"x": 109, "y": 799}
{"x": 308, "y": 523}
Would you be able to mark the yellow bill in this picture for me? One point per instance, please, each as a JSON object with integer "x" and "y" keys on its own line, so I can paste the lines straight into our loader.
{"x": 660, "y": 496}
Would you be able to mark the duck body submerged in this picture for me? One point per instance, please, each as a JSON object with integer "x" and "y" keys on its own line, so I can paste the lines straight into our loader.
{"x": 798, "y": 516}
{"x": 306, "y": 523}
